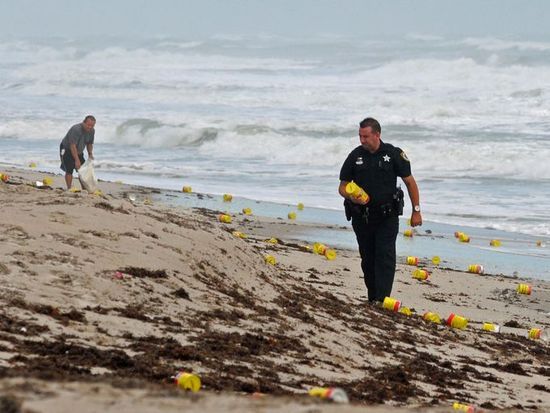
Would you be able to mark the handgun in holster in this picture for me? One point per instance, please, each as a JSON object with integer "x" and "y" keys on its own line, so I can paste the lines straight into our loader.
{"x": 399, "y": 201}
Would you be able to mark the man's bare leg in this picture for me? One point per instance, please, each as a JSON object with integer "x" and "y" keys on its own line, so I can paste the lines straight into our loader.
{"x": 69, "y": 180}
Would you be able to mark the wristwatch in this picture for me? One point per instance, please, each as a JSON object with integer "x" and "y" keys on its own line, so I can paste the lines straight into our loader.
{"x": 416, "y": 208}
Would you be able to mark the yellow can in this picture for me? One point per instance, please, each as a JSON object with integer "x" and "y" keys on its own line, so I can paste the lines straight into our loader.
{"x": 272, "y": 241}
{"x": 534, "y": 333}
{"x": 47, "y": 181}
{"x": 420, "y": 274}
{"x": 524, "y": 289}
{"x": 300, "y": 206}
{"x": 187, "y": 189}
{"x": 491, "y": 327}
{"x": 412, "y": 260}
{"x": 270, "y": 259}
{"x": 227, "y": 197}
{"x": 495, "y": 243}
{"x": 391, "y": 304}
{"x": 432, "y": 317}
{"x": 319, "y": 248}
{"x": 436, "y": 260}
{"x": 240, "y": 234}
{"x": 456, "y": 321}
{"x": 292, "y": 215}
{"x": 357, "y": 192}
{"x": 226, "y": 219}
{"x": 408, "y": 233}
{"x": 406, "y": 311}
{"x": 188, "y": 381}
{"x": 330, "y": 254}
{"x": 247, "y": 211}
{"x": 475, "y": 268}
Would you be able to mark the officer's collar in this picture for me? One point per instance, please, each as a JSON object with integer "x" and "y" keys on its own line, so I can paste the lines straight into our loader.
{"x": 380, "y": 149}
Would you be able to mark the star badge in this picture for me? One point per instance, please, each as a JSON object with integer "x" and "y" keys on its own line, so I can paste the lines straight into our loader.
{"x": 386, "y": 158}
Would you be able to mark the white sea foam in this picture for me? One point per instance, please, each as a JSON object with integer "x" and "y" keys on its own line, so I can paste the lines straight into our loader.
{"x": 272, "y": 113}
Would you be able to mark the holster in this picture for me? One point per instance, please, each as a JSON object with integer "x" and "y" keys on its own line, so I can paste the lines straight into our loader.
{"x": 353, "y": 210}
{"x": 399, "y": 201}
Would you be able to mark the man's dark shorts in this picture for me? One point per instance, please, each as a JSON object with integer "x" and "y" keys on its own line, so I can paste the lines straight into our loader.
{"x": 67, "y": 160}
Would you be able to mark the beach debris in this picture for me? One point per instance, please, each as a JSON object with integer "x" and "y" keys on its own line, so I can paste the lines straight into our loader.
{"x": 412, "y": 260}
{"x": 32, "y": 164}
{"x": 272, "y": 241}
{"x": 226, "y": 219}
{"x": 457, "y": 321}
{"x": 227, "y": 197}
{"x": 495, "y": 328}
{"x": 330, "y": 254}
{"x": 495, "y": 243}
{"x": 240, "y": 234}
{"x": 391, "y": 304}
{"x": 306, "y": 248}
{"x": 524, "y": 289}
{"x": 540, "y": 243}
{"x": 4, "y": 177}
{"x": 39, "y": 184}
{"x": 420, "y": 274}
{"x": 300, "y": 206}
{"x": 462, "y": 407}
{"x": 475, "y": 268}
{"x": 436, "y": 260}
{"x": 408, "y": 233}
{"x": 538, "y": 334}
{"x": 334, "y": 394}
{"x": 74, "y": 190}
{"x": 291, "y": 215}
{"x": 270, "y": 259}
{"x": 188, "y": 381}
{"x": 322, "y": 249}
{"x": 98, "y": 192}
{"x": 247, "y": 211}
{"x": 458, "y": 234}
{"x": 118, "y": 275}
{"x": 405, "y": 311}
{"x": 463, "y": 237}
{"x": 147, "y": 201}
{"x": 356, "y": 192}
{"x": 187, "y": 189}
{"x": 47, "y": 181}
{"x": 432, "y": 317}
{"x": 132, "y": 197}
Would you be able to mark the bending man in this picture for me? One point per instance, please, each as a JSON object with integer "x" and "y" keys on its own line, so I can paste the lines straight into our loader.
{"x": 71, "y": 150}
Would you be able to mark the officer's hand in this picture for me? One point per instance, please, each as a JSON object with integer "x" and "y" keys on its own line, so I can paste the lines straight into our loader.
{"x": 416, "y": 219}
{"x": 358, "y": 201}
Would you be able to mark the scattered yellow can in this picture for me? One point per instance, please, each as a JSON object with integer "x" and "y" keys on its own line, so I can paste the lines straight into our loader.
{"x": 436, "y": 260}
{"x": 475, "y": 268}
{"x": 495, "y": 243}
{"x": 534, "y": 333}
{"x": 227, "y": 197}
{"x": 419, "y": 274}
{"x": 188, "y": 381}
{"x": 406, "y": 311}
{"x": 391, "y": 304}
{"x": 330, "y": 254}
{"x": 412, "y": 260}
{"x": 432, "y": 317}
{"x": 292, "y": 215}
{"x": 300, "y": 206}
{"x": 524, "y": 289}
{"x": 495, "y": 328}
{"x": 226, "y": 219}
{"x": 408, "y": 233}
{"x": 270, "y": 259}
{"x": 456, "y": 321}
{"x": 272, "y": 241}
{"x": 240, "y": 234}
{"x": 466, "y": 408}
{"x": 187, "y": 189}
{"x": 47, "y": 181}
{"x": 247, "y": 211}
{"x": 463, "y": 237}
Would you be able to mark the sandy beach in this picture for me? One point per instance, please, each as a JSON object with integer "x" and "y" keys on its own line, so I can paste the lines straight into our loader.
{"x": 106, "y": 297}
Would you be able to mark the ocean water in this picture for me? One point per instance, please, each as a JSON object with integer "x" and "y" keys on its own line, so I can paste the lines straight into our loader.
{"x": 271, "y": 118}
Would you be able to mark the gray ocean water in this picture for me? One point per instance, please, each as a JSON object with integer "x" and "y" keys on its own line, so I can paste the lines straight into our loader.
{"x": 271, "y": 118}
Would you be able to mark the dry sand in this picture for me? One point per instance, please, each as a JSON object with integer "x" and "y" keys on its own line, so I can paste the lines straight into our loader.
{"x": 75, "y": 336}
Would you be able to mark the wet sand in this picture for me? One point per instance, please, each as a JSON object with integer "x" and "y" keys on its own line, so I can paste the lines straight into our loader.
{"x": 104, "y": 298}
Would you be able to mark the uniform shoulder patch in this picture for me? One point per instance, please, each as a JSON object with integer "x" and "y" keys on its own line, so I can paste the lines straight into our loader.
{"x": 404, "y": 156}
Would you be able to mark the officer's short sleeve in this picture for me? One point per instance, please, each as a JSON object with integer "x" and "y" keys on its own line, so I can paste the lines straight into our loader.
{"x": 402, "y": 164}
{"x": 346, "y": 173}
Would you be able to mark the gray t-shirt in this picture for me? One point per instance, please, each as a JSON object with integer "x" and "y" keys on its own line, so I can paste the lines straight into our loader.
{"x": 77, "y": 136}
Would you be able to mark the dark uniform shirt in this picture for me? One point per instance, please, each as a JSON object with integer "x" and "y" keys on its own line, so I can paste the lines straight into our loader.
{"x": 376, "y": 172}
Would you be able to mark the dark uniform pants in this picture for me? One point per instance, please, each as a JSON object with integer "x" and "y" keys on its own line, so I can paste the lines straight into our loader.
{"x": 377, "y": 248}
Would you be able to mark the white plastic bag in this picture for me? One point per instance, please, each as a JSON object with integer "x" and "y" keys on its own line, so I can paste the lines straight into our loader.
{"x": 86, "y": 176}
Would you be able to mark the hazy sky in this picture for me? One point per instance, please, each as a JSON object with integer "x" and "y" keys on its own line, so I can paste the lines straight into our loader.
{"x": 201, "y": 18}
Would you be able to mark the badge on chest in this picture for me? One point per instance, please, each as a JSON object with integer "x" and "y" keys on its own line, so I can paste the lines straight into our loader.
{"x": 359, "y": 160}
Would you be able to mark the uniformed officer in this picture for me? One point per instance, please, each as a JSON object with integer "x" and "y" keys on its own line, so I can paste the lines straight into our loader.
{"x": 375, "y": 166}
